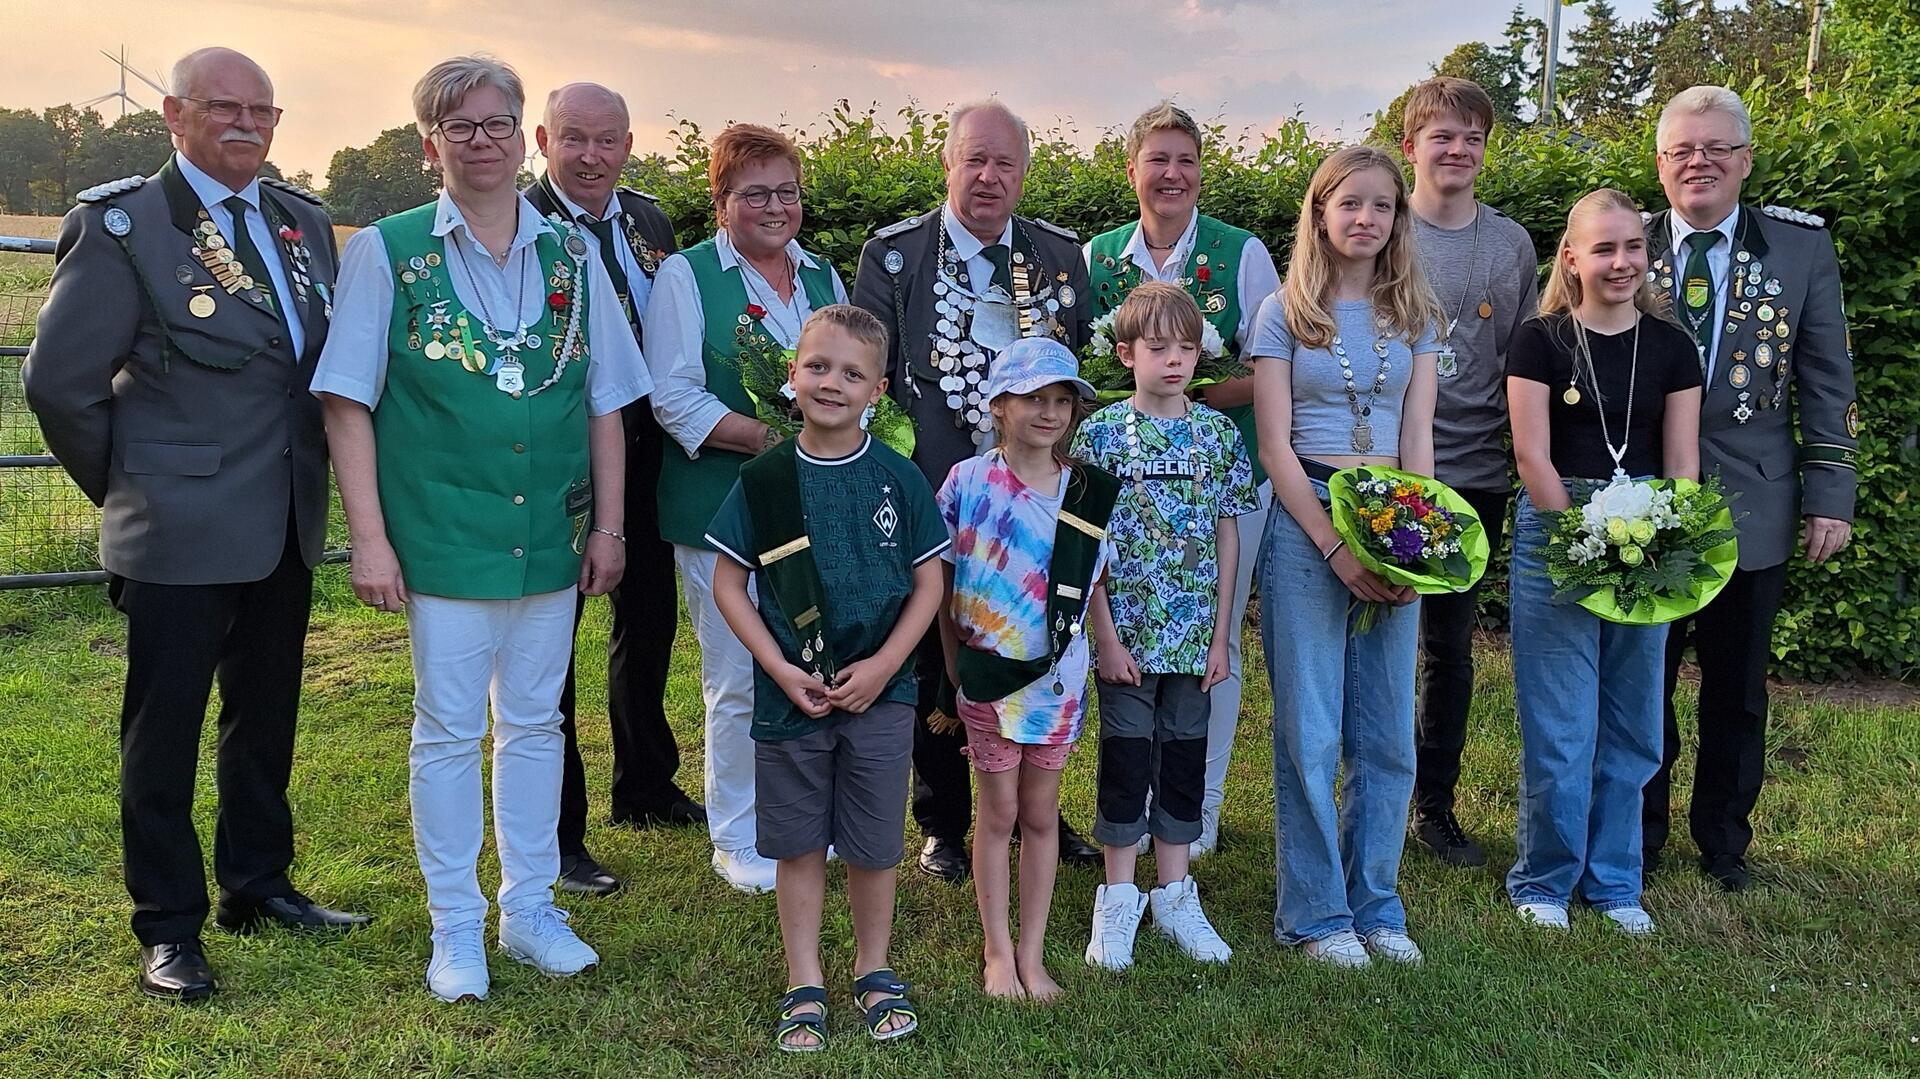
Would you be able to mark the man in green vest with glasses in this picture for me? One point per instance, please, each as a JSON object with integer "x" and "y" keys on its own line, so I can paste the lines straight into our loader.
{"x": 473, "y": 408}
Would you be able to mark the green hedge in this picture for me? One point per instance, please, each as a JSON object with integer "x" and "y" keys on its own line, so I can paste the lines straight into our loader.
{"x": 1850, "y": 158}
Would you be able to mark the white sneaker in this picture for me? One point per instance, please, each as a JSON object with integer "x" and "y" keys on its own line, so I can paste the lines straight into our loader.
{"x": 1633, "y": 921}
{"x": 1209, "y": 833}
{"x": 1116, "y": 919}
{"x": 745, "y": 870}
{"x": 1394, "y": 946}
{"x": 1178, "y": 917}
{"x": 538, "y": 936}
{"x": 1545, "y": 915}
{"x": 1342, "y": 949}
{"x": 458, "y": 969}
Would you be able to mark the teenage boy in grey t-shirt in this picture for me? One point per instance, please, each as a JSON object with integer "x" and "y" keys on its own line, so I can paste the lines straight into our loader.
{"x": 1482, "y": 266}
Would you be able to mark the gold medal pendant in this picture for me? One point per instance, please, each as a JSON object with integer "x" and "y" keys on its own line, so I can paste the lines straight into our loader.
{"x": 202, "y": 305}
{"x": 1572, "y": 396}
{"x": 1486, "y": 309}
{"x": 435, "y": 350}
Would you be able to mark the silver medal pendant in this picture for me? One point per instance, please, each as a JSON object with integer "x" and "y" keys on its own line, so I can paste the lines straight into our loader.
{"x": 995, "y": 325}
{"x": 510, "y": 378}
{"x": 1446, "y": 362}
{"x": 1362, "y": 436}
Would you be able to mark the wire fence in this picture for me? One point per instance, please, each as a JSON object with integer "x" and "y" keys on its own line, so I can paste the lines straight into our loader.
{"x": 49, "y": 531}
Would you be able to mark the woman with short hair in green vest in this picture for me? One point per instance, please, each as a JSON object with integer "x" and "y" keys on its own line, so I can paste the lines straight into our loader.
{"x": 737, "y": 298}
{"x": 472, "y": 381}
{"x": 1229, "y": 272}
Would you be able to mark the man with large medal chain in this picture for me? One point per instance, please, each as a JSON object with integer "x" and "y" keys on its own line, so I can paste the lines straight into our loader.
{"x": 1759, "y": 289}
{"x": 954, "y": 286}
{"x": 586, "y": 137}
{"x": 473, "y": 396}
{"x": 169, "y": 376}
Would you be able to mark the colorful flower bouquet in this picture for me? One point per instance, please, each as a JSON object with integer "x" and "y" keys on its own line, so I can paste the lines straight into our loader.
{"x": 1409, "y": 529}
{"x": 1643, "y": 552}
{"x": 765, "y": 373}
{"x": 1113, "y": 381}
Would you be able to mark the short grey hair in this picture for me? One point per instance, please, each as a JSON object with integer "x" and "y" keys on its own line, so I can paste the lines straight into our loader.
{"x": 441, "y": 90}
{"x": 180, "y": 79}
{"x": 606, "y": 95}
{"x": 1699, "y": 100}
{"x": 993, "y": 105}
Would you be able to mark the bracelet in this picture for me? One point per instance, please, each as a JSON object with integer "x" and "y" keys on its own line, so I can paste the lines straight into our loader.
{"x": 621, "y": 536}
{"x": 1333, "y": 550}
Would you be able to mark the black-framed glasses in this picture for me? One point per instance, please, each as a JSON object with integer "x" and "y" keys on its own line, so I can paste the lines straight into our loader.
{"x": 758, "y": 197}
{"x": 1714, "y": 151}
{"x": 222, "y": 111}
{"x": 496, "y": 127}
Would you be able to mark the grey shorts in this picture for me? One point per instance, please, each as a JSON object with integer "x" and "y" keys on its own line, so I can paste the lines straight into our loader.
{"x": 1153, "y": 738}
{"x": 842, "y": 785}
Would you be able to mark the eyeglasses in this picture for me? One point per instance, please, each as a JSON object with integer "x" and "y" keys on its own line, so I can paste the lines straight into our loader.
{"x": 222, "y": 111}
{"x": 758, "y": 197}
{"x": 1714, "y": 151}
{"x": 497, "y": 127}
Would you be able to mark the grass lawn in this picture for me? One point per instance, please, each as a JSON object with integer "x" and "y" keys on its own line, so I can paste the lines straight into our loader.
{"x": 1814, "y": 973}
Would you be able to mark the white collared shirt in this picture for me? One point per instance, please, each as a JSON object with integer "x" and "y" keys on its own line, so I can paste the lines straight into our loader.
{"x": 638, "y": 284}
{"x": 968, "y": 246}
{"x": 354, "y": 362}
{"x": 1718, "y": 256}
{"x": 677, "y": 332}
{"x": 213, "y": 195}
{"x": 1256, "y": 278}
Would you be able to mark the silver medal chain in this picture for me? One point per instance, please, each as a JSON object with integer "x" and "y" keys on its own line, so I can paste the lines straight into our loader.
{"x": 488, "y": 324}
{"x": 1633, "y": 376}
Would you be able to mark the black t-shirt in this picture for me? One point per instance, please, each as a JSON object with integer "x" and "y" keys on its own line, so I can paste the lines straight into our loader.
{"x": 1542, "y": 350}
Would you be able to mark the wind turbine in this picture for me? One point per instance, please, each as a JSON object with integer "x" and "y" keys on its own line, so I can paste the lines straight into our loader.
{"x": 126, "y": 99}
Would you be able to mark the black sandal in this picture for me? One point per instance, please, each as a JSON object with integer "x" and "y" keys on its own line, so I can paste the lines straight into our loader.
{"x": 885, "y": 980}
{"x": 793, "y": 1020}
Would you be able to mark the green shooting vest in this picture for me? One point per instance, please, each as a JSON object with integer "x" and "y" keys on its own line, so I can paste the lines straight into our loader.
{"x": 486, "y": 496}
{"x": 1111, "y": 277}
{"x": 692, "y": 488}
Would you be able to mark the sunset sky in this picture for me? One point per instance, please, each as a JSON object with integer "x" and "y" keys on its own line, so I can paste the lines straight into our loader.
{"x": 343, "y": 68}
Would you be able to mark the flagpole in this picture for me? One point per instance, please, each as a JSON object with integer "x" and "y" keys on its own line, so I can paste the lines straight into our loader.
{"x": 1549, "y": 61}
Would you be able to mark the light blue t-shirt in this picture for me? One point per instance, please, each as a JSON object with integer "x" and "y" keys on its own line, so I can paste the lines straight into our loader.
{"x": 1322, "y": 419}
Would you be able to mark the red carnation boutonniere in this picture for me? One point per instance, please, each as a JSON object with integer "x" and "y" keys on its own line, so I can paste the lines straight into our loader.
{"x": 290, "y": 234}
{"x": 756, "y": 310}
{"x": 556, "y": 300}
{"x": 1204, "y": 273}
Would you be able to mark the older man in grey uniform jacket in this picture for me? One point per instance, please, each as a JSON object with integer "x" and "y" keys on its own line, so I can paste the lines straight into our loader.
{"x": 1760, "y": 290}
{"x": 169, "y": 375}
{"x": 954, "y": 286}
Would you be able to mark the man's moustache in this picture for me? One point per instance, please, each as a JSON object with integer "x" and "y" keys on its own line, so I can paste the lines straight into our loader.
{"x": 243, "y": 136}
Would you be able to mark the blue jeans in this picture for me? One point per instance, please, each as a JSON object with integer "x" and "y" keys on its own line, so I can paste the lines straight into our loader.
{"x": 1588, "y": 693}
{"x": 1339, "y": 700}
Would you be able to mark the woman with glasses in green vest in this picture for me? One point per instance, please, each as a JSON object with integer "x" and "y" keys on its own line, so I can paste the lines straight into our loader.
{"x": 1229, "y": 272}
{"x": 737, "y": 298}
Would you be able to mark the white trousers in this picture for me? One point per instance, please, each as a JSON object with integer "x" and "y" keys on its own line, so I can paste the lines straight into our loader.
{"x": 726, "y": 682}
{"x": 466, "y": 652}
{"x": 1225, "y": 720}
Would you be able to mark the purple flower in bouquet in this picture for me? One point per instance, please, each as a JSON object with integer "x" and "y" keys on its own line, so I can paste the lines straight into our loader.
{"x": 1404, "y": 544}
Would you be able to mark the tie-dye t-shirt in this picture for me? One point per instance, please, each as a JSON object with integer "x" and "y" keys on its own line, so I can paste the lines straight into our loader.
{"x": 1002, "y": 533}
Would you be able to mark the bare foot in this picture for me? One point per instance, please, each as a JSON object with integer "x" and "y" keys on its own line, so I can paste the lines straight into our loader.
{"x": 1001, "y": 980}
{"x": 1039, "y": 984}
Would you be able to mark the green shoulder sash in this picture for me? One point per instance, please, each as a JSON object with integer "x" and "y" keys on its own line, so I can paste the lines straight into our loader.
{"x": 771, "y": 483}
{"x": 1078, "y": 533}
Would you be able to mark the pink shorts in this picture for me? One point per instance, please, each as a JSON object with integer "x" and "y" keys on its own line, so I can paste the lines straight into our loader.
{"x": 992, "y": 751}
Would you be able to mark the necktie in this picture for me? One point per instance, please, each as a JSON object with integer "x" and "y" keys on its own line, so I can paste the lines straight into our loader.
{"x": 610, "y": 255}
{"x": 1002, "y": 269}
{"x": 248, "y": 254}
{"x": 1697, "y": 287}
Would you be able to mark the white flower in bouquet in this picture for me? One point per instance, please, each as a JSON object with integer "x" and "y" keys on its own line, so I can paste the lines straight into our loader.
{"x": 1622, "y": 500}
{"x": 1210, "y": 342}
{"x": 1102, "y": 343}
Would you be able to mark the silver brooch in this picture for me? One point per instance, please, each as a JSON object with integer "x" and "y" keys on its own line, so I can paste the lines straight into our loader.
{"x": 895, "y": 261}
{"x": 117, "y": 222}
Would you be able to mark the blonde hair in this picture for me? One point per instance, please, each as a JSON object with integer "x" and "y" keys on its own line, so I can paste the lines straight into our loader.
{"x": 442, "y": 89}
{"x": 1563, "y": 291}
{"x": 1165, "y": 116}
{"x": 1158, "y": 307}
{"x": 1401, "y": 295}
{"x": 857, "y": 323}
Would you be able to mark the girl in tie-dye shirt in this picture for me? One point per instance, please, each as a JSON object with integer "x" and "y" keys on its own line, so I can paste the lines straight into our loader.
{"x": 1001, "y": 511}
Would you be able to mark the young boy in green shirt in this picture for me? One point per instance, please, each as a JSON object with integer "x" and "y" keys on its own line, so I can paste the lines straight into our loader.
{"x": 842, "y": 538}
